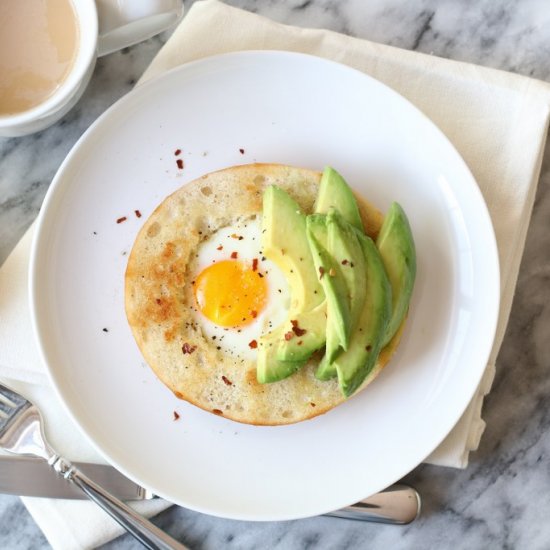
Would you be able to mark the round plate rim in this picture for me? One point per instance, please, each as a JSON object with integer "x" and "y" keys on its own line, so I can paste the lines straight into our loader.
{"x": 56, "y": 187}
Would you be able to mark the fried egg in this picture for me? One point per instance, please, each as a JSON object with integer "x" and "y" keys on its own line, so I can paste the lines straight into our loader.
{"x": 239, "y": 294}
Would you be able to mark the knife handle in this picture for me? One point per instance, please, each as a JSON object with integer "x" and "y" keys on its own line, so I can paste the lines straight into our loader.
{"x": 398, "y": 504}
{"x": 142, "y": 529}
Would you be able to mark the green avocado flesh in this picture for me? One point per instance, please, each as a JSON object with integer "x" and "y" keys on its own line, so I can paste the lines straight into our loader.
{"x": 354, "y": 364}
{"x": 268, "y": 367}
{"x": 348, "y": 294}
{"x": 297, "y": 345}
{"x": 335, "y": 193}
{"x": 345, "y": 248}
{"x": 286, "y": 348}
{"x": 330, "y": 275}
{"x": 396, "y": 245}
{"x": 284, "y": 242}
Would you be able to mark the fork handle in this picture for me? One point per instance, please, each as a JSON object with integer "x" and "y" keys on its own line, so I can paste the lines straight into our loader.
{"x": 142, "y": 529}
{"x": 398, "y": 504}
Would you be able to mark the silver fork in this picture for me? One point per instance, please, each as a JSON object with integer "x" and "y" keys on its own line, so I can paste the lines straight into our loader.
{"x": 21, "y": 433}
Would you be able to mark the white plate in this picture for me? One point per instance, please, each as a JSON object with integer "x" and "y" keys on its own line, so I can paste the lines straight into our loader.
{"x": 292, "y": 109}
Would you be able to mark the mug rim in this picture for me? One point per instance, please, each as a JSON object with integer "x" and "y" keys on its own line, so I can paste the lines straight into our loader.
{"x": 87, "y": 23}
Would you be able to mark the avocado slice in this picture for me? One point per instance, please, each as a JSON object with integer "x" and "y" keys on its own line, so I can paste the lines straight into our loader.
{"x": 354, "y": 364}
{"x": 345, "y": 248}
{"x": 396, "y": 245}
{"x": 268, "y": 367}
{"x": 332, "y": 280}
{"x": 298, "y": 342}
{"x": 336, "y": 193}
{"x": 284, "y": 241}
{"x": 334, "y": 196}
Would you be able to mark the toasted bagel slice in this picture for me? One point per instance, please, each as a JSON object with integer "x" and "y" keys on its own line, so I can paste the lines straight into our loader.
{"x": 160, "y": 304}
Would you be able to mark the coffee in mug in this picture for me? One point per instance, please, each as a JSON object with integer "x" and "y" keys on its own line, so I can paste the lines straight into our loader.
{"x": 48, "y": 50}
{"x": 38, "y": 44}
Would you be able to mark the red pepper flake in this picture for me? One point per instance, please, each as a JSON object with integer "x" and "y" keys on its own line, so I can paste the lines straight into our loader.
{"x": 254, "y": 314}
{"x": 234, "y": 255}
{"x": 158, "y": 301}
{"x": 289, "y": 335}
{"x": 296, "y": 329}
{"x": 179, "y": 162}
{"x": 176, "y": 416}
{"x": 345, "y": 262}
{"x": 321, "y": 272}
{"x": 254, "y": 264}
{"x": 187, "y": 348}
{"x": 253, "y": 344}
{"x": 122, "y": 219}
{"x": 177, "y": 152}
{"x": 332, "y": 272}
{"x": 241, "y": 151}
{"x": 220, "y": 247}
{"x": 226, "y": 380}
{"x": 137, "y": 213}
{"x": 218, "y": 412}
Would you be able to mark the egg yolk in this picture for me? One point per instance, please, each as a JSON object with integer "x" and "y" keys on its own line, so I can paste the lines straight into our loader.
{"x": 230, "y": 293}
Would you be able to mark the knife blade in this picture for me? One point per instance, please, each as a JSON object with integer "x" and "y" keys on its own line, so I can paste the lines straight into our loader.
{"x": 398, "y": 504}
{"x": 34, "y": 478}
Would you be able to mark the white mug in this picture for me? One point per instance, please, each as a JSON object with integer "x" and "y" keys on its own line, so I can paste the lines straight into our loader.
{"x": 104, "y": 26}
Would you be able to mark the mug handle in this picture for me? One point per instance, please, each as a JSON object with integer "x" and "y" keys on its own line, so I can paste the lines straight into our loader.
{"x": 127, "y": 22}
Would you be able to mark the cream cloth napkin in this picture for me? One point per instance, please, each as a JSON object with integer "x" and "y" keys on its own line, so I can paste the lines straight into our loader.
{"x": 497, "y": 121}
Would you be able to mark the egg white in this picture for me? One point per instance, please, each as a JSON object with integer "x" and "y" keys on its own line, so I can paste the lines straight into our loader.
{"x": 243, "y": 237}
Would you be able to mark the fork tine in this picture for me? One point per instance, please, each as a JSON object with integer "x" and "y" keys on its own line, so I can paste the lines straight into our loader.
{"x": 5, "y": 409}
{"x": 11, "y": 397}
{"x": 10, "y": 404}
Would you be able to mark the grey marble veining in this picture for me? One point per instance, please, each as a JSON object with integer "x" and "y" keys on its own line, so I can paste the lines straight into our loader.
{"x": 502, "y": 500}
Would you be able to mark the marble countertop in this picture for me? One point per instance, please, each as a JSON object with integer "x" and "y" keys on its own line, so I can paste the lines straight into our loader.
{"x": 502, "y": 499}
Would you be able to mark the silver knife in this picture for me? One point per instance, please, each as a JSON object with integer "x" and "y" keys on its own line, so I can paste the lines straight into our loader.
{"x": 32, "y": 477}
{"x": 399, "y": 504}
